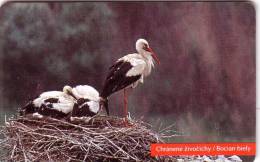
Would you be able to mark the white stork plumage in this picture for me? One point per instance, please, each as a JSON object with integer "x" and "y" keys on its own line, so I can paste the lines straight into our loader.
{"x": 80, "y": 101}
{"x": 55, "y": 104}
{"x": 87, "y": 100}
{"x": 128, "y": 71}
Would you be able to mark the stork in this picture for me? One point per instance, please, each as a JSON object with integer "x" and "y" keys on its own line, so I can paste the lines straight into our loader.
{"x": 128, "y": 71}
{"x": 87, "y": 100}
{"x": 55, "y": 104}
{"x": 82, "y": 100}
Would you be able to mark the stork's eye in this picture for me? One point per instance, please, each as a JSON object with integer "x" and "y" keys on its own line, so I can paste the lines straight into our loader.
{"x": 145, "y": 47}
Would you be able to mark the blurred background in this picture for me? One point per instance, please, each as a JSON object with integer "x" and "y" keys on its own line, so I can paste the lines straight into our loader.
{"x": 204, "y": 86}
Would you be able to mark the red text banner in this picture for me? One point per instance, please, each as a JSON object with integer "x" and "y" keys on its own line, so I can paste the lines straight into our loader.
{"x": 246, "y": 149}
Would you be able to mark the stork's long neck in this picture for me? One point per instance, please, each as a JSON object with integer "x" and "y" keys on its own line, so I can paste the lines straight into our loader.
{"x": 71, "y": 94}
{"x": 149, "y": 63}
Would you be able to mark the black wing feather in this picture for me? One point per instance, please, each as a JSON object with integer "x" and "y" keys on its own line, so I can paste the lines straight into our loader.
{"x": 116, "y": 78}
{"x": 52, "y": 100}
{"x": 48, "y": 111}
{"x": 29, "y": 108}
{"x": 83, "y": 111}
{"x": 45, "y": 110}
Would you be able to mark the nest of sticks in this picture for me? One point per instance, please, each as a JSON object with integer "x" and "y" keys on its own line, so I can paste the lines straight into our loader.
{"x": 100, "y": 138}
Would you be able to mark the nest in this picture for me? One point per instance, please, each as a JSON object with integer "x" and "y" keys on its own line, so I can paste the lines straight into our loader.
{"x": 100, "y": 138}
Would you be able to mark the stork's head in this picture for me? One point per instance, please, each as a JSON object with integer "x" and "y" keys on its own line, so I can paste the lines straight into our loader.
{"x": 144, "y": 49}
{"x": 67, "y": 89}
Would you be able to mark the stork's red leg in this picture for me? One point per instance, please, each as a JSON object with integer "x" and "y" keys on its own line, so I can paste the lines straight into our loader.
{"x": 125, "y": 103}
{"x": 125, "y": 107}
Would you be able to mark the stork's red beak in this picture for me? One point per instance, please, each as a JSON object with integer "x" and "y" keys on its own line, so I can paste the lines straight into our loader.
{"x": 153, "y": 55}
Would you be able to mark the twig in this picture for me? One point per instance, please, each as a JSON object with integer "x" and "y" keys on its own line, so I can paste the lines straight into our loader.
{"x": 102, "y": 138}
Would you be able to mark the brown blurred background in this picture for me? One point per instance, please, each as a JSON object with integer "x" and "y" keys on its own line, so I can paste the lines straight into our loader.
{"x": 205, "y": 84}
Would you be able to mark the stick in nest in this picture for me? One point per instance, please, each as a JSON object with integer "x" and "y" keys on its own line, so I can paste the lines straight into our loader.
{"x": 101, "y": 138}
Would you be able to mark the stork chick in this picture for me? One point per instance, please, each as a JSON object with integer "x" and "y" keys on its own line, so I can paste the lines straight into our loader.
{"x": 55, "y": 104}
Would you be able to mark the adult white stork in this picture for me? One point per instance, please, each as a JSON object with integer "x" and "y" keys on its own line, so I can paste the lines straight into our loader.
{"x": 128, "y": 71}
{"x": 55, "y": 104}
